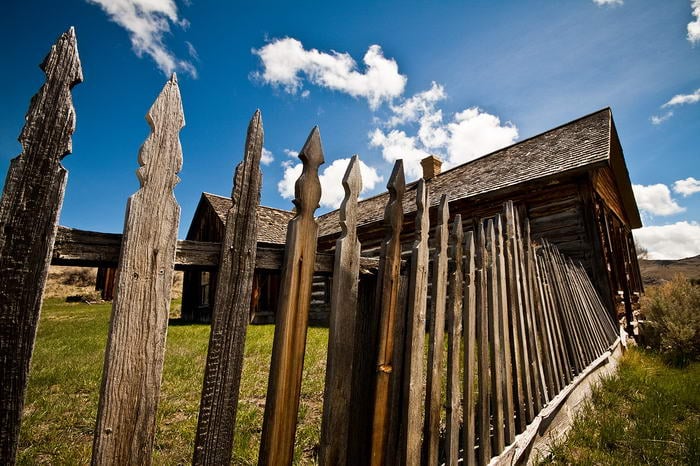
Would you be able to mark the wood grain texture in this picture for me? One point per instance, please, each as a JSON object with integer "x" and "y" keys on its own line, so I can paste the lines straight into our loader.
{"x": 387, "y": 304}
{"x": 335, "y": 422}
{"x": 454, "y": 333}
{"x": 29, "y": 210}
{"x": 412, "y": 409}
{"x": 515, "y": 306}
{"x": 495, "y": 341}
{"x": 230, "y": 316}
{"x": 431, "y": 430}
{"x": 284, "y": 385}
{"x": 469, "y": 325}
{"x": 503, "y": 322}
{"x": 94, "y": 249}
{"x": 126, "y": 415}
{"x": 482, "y": 335}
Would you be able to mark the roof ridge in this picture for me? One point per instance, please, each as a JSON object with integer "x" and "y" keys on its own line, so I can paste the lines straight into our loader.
{"x": 259, "y": 205}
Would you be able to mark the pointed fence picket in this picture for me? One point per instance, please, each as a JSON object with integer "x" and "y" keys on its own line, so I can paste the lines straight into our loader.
{"x": 29, "y": 210}
{"x": 523, "y": 322}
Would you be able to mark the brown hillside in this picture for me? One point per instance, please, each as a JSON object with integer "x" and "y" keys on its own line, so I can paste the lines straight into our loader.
{"x": 659, "y": 271}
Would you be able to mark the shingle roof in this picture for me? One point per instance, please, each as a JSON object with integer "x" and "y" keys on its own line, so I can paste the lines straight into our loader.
{"x": 574, "y": 145}
{"x": 569, "y": 147}
{"x": 272, "y": 223}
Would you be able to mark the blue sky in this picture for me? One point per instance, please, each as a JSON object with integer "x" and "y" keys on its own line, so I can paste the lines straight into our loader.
{"x": 383, "y": 80}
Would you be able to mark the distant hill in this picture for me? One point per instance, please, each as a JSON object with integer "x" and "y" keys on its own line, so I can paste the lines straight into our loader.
{"x": 658, "y": 271}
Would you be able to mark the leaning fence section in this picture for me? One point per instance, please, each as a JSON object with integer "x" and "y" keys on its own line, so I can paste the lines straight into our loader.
{"x": 492, "y": 322}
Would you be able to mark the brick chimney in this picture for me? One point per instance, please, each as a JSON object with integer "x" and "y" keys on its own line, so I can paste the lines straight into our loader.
{"x": 431, "y": 166}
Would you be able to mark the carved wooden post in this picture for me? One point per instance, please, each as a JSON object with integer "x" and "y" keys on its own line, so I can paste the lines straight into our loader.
{"x": 431, "y": 429}
{"x": 387, "y": 303}
{"x": 222, "y": 375}
{"x": 454, "y": 332}
{"x": 284, "y": 385}
{"x": 343, "y": 320}
{"x": 29, "y": 211}
{"x": 412, "y": 409}
{"x": 126, "y": 415}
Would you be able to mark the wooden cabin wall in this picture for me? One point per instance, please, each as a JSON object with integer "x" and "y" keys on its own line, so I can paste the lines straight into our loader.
{"x": 206, "y": 226}
{"x": 561, "y": 212}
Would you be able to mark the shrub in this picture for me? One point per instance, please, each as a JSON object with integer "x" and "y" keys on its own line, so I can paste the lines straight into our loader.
{"x": 673, "y": 310}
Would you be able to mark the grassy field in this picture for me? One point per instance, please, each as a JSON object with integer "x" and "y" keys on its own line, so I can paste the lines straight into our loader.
{"x": 647, "y": 413}
{"x": 63, "y": 390}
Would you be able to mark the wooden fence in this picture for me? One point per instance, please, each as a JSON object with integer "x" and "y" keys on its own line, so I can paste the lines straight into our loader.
{"x": 509, "y": 323}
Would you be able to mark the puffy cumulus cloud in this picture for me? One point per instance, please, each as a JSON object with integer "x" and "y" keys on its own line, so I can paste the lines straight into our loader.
{"x": 656, "y": 199}
{"x": 266, "y": 158}
{"x": 474, "y": 133}
{"x": 694, "y": 26}
{"x": 687, "y": 186}
{"x": 682, "y": 99}
{"x": 670, "y": 242}
{"x": 291, "y": 153}
{"x": 608, "y": 2}
{"x": 285, "y": 60}
{"x": 468, "y": 135}
{"x": 331, "y": 179}
{"x": 147, "y": 21}
{"x": 396, "y": 144}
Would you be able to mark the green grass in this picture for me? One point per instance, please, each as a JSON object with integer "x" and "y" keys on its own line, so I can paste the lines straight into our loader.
{"x": 647, "y": 413}
{"x": 61, "y": 404}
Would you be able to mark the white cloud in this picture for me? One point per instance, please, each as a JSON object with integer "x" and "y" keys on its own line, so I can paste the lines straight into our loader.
{"x": 291, "y": 153}
{"x": 658, "y": 119}
{"x": 266, "y": 158}
{"x": 674, "y": 241}
{"x": 396, "y": 144}
{"x": 475, "y": 132}
{"x": 147, "y": 21}
{"x": 656, "y": 199}
{"x": 694, "y": 26}
{"x": 682, "y": 99}
{"x": 331, "y": 178}
{"x": 687, "y": 186}
{"x": 471, "y": 133}
{"x": 284, "y": 60}
{"x": 608, "y": 2}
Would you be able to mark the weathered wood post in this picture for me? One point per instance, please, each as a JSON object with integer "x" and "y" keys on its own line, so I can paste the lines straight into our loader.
{"x": 387, "y": 304}
{"x": 414, "y": 381}
{"x": 343, "y": 321}
{"x": 438, "y": 291}
{"x": 222, "y": 375}
{"x": 29, "y": 211}
{"x": 454, "y": 334}
{"x": 469, "y": 311}
{"x": 126, "y": 416}
{"x": 284, "y": 385}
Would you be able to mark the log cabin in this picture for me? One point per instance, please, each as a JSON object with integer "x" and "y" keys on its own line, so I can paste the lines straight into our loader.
{"x": 571, "y": 182}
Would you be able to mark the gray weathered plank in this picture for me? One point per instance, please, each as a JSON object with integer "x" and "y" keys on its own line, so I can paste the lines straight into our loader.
{"x": 484, "y": 377}
{"x": 94, "y": 249}
{"x": 495, "y": 341}
{"x": 230, "y": 316}
{"x": 387, "y": 304}
{"x": 469, "y": 310}
{"x": 126, "y": 416}
{"x": 412, "y": 409}
{"x": 29, "y": 210}
{"x": 505, "y": 328}
{"x": 284, "y": 385}
{"x": 335, "y": 422}
{"x": 438, "y": 291}
{"x": 454, "y": 332}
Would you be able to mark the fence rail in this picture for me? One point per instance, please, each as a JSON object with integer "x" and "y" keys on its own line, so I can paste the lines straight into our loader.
{"x": 521, "y": 320}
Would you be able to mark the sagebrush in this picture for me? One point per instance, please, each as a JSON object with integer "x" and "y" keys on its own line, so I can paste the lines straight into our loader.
{"x": 673, "y": 313}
